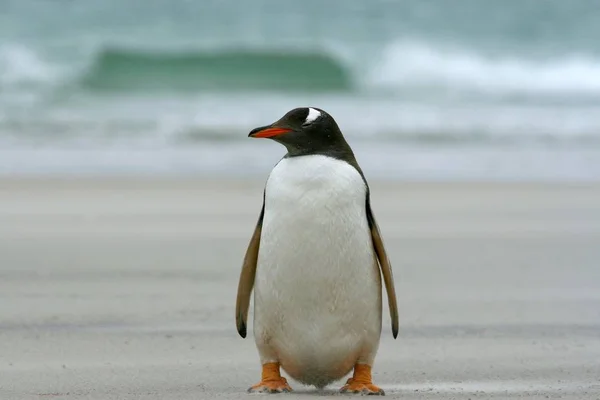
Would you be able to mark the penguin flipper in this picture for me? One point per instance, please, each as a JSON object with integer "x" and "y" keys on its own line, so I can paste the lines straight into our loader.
{"x": 247, "y": 275}
{"x": 385, "y": 266}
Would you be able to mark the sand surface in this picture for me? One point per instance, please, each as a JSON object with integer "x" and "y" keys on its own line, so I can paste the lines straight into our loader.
{"x": 125, "y": 289}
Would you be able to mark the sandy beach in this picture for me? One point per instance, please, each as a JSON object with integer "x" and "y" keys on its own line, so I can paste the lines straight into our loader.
{"x": 125, "y": 289}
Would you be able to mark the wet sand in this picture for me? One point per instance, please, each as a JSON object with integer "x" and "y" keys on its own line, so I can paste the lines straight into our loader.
{"x": 125, "y": 289}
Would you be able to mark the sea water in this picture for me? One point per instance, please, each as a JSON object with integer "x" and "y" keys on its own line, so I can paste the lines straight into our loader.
{"x": 440, "y": 90}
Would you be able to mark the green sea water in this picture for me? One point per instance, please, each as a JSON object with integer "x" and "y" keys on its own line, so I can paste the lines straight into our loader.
{"x": 453, "y": 89}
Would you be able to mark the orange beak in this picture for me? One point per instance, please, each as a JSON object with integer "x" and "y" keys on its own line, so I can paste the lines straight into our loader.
{"x": 267, "y": 132}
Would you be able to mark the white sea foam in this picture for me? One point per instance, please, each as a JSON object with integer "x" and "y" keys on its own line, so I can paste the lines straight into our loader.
{"x": 405, "y": 64}
{"x": 21, "y": 65}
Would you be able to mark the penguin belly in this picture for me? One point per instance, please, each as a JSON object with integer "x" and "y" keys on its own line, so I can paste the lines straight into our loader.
{"x": 317, "y": 290}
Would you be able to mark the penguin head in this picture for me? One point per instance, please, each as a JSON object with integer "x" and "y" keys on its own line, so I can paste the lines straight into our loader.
{"x": 305, "y": 130}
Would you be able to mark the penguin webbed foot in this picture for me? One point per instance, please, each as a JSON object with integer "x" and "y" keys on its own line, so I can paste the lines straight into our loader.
{"x": 272, "y": 386}
{"x": 362, "y": 388}
{"x": 271, "y": 381}
{"x": 361, "y": 382}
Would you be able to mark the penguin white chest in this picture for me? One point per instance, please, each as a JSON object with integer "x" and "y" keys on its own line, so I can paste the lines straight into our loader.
{"x": 317, "y": 286}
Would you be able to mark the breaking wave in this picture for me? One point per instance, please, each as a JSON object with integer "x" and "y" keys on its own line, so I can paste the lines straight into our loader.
{"x": 121, "y": 69}
{"x": 404, "y": 68}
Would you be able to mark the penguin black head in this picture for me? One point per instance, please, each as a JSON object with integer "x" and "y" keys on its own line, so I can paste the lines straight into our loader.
{"x": 305, "y": 131}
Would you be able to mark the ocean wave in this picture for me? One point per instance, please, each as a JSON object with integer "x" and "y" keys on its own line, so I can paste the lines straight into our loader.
{"x": 130, "y": 70}
{"x": 65, "y": 105}
{"x": 417, "y": 65}
{"x": 193, "y": 125}
{"x": 405, "y": 69}
{"x": 21, "y": 65}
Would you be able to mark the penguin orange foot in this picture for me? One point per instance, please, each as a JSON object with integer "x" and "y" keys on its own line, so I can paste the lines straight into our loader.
{"x": 361, "y": 382}
{"x": 271, "y": 381}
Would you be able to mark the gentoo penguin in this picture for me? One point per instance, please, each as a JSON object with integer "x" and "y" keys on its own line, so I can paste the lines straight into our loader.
{"x": 314, "y": 262}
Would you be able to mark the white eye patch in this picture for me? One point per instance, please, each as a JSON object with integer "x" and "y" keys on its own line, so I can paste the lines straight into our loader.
{"x": 312, "y": 116}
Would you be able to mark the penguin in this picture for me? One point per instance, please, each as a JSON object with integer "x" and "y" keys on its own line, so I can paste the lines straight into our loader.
{"x": 315, "y": 262}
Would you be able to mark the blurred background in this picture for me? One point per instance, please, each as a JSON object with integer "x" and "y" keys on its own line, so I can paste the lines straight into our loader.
{"x": 469, "y": 89}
